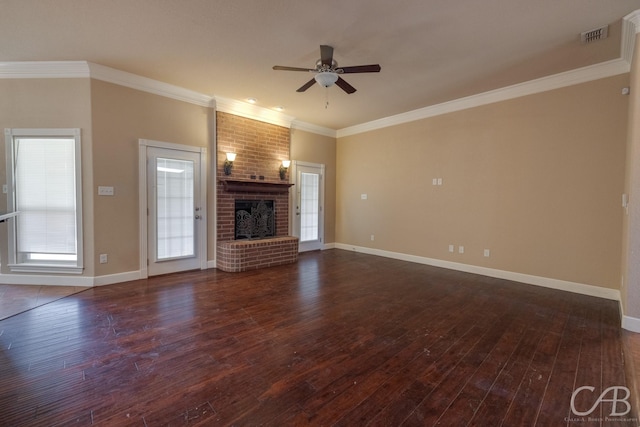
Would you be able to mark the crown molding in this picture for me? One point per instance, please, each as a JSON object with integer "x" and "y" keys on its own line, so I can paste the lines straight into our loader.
{"x": 145, "y": 84}
{"x": 84, "y": 69}
{"x": 568, "y": 78}
{"x": 310, "y": 127}
{"x": 44, "y": 70}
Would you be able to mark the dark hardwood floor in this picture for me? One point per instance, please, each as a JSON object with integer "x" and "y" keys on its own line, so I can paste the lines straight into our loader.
{"x": 339, "y": 338}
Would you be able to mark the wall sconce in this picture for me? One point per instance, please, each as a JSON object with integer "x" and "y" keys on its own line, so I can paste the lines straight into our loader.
{"x": 228, "y": 164}
{"x": 283, "y": 168}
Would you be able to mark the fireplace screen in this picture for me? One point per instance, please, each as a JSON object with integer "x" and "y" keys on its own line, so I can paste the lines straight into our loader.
{"x": 255, "y": 219}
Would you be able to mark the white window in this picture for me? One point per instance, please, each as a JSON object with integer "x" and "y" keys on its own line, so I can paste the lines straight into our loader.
{"x": 44, "y": 187}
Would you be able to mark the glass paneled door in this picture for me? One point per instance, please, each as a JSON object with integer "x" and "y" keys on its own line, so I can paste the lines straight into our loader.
{"x": 308, "y": 219}
{"x": 174, "y": 212}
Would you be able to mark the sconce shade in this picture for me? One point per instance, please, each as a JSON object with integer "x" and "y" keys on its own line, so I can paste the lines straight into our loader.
{"x": 326, "y": 78}
{"x": 228, "y": 164}
{"x": 283, "y": 168}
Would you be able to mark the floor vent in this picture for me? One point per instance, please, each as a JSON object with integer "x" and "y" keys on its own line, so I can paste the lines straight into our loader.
{"x": 594, "y": 35}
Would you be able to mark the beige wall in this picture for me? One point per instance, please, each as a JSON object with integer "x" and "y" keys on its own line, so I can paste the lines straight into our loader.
{"x": 537, "y": 180}
{"x": 50, "y": 103}
{"x": 121, "y": 116}
{"x": 314, "y": 148}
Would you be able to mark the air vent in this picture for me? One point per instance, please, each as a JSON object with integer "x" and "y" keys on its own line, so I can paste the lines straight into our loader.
{"x": 594, "y": 35}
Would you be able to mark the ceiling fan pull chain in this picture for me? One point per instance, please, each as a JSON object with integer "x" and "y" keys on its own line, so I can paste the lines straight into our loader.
{"x": 326, "y": 98}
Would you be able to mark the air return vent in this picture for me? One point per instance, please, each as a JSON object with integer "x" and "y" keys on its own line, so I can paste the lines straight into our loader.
{"x": 594, "y": 35}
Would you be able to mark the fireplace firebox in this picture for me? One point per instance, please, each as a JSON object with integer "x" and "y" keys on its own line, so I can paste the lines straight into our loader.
{"x": 255, "y": 219}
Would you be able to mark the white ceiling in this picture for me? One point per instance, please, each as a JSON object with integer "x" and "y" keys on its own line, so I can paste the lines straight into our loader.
{"x": 430, "y": 51}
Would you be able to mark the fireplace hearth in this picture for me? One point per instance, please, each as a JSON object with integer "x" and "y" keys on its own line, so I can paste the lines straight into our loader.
{"x": 254, "y": 219}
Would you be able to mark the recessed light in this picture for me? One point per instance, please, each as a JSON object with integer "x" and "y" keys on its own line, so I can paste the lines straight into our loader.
{"x": 279, "y": 108}
{"x": 252, "y": 100}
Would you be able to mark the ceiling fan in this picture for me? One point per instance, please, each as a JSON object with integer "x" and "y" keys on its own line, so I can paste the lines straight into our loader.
{"x": 327, "y": 71}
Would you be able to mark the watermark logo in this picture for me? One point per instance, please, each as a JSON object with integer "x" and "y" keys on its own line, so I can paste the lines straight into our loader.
{"x": 618, "y": 396}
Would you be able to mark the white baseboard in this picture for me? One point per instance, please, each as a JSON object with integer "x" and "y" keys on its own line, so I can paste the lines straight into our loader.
{"x": 211, "y": 264}
{"x": 111, "y": 279}
{"x": 563, "y": 285}
{"x": 631, "y": 323}
{"x": 67, "y": 280}
{"x": 328, "y": 246}
{"x": 45, "y": 280}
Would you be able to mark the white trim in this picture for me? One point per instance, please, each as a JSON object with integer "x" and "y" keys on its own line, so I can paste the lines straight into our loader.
{"x": 84, "y": 281}
{"x": 143, "y": 144}
{"x": 142, "y": 209}
{"x": 204, "y": 216}
{"x": 33, "y": 279}
{"x": 26, "y": 267}
{"x": 294, "y": 229}
{"x": 44, "y": 70}
{"x": 631, "y": 323}
{"x": 251, "y": 111}
{"x": 111, "y": 279}
{"x": 562, "y": 285}
{"x": 145, "y": 84}
{"x": 310, "y": 127}
{"x": 630, "y": 27}
{"x": 212, "y": 264}
{"x": 568, "y": 78}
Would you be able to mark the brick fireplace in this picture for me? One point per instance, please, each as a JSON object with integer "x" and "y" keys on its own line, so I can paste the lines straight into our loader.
{"x": 260, "y": 149}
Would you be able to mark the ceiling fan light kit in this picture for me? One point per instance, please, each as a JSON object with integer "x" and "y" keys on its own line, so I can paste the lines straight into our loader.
{"x": 326, "y": 78}
{"x": 327, "y": 71}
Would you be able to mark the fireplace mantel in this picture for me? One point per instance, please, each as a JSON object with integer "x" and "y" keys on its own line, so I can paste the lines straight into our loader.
{"x": 255, "y": 186}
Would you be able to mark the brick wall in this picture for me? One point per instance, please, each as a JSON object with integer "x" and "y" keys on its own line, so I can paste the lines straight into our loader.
{"x": 260, "y": 149}
{"x": 244, "y": 255}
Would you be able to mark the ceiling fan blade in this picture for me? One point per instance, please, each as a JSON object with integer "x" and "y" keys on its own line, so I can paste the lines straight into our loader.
{"x": 307, "y": 85}
{"x": 283, "y": 68}
{"x": 326, "y": 55}
{"x": 345, "y": 86}
{"x": 373, "y": 68}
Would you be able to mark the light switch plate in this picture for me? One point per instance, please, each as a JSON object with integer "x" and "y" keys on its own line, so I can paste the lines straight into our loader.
{"x": 105, "y": 191}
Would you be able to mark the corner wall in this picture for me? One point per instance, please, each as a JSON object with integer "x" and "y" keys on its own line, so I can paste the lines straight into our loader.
{"x": 319, "y": 149}
{"x": 536, "y": 180}
{"x": 50, "y": 103}
{"x": 120, "y": 117}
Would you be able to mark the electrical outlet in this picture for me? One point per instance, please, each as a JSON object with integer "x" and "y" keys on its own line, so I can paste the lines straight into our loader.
{"x": 451, "y": 249}
{"x": 105, "y": 191}
{"x": 460, "y": 249}
{"x": 487, "y": 253}
{"x": 104, "y": 259}
{"x": 373, "y": 237}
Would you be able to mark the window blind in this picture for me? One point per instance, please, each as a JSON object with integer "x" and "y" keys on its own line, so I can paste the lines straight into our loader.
{"x": 45, "y": 196}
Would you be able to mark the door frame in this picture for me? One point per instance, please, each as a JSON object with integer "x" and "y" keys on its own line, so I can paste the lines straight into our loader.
{"x": 293, "y": 200}
{"x": 143, "y": 221}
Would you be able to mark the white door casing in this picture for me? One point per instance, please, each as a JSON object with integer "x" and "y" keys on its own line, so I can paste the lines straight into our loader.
{"x": 173, "y": 226}
{"x": 307, "y": 205}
